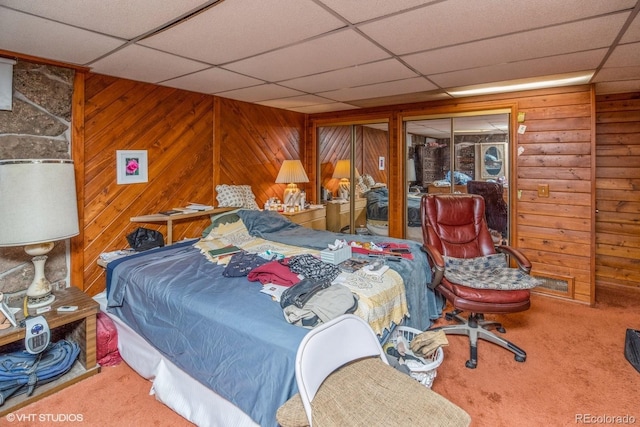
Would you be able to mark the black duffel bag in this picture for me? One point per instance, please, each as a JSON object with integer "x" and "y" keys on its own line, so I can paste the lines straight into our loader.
{"x": 632, "y": 348}
{"x": 142, "y": 239}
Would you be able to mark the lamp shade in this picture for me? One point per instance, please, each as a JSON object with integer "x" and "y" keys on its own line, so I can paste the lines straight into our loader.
{"x": 291, "y": 171}
{"x": 37, "y": 201}
{"x": 411, "y": 170}
{"x": 343, "y": 169}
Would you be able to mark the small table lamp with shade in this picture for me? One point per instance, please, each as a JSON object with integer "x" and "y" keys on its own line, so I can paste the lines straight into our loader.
{"x": 343, "y": 173}
{"x": 37, "y": 207}
{"x": 291, "y": 172}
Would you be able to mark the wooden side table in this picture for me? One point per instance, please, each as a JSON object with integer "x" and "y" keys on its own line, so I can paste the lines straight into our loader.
{"x": 338, "y": 214}
{"x": 169, "y": 219}
{"x": 313, "y": 217}
{"x": 79, "y": 326}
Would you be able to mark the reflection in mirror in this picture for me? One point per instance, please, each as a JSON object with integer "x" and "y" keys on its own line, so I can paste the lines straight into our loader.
{"x": 451, "y": 152}
{"x": 352, "y": 162}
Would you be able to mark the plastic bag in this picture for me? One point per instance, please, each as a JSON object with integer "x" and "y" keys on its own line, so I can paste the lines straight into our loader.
{"x": 142, "y": 239}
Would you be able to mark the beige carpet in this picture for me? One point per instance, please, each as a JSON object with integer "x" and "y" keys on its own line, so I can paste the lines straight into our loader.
{"x": 575, "y": 371}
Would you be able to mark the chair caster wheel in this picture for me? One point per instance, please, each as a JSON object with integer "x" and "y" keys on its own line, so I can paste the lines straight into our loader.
{"x": 501, "y": 330}
{"x": 520, "y": 358}
{"x": 471, "y": 364}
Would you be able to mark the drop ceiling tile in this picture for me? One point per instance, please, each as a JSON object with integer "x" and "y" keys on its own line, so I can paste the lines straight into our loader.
{"x": 146, "y": 65}
{"x": 240, "y": 28}
{"x": 617, "y": 73}
{"x": 581, "y": 61}
{"x": 296, "y": 102}
{"x": 633, "y": 32}
{"x": 212, "y": 80}
{"x": 562, "y": 39}
{"x": 47, "y": 39}
{"x": 260, "y": 93}
{"x": 120, "y": 18}
{"x": 331, "y": 52}
{"x": 363, "y": 10}
{"x": 380, "y": 89}
{"x": 405, "y": 98}
{"x": 626, "y": 55}
{"x": 324, "y": 108}
{"x": 358, "y": 75}
{"x": 626, "y": 86}
{"x": 459, "y": 21}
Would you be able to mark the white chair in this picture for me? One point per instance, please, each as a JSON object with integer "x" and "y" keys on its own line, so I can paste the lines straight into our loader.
{"x": 333, "y": 391}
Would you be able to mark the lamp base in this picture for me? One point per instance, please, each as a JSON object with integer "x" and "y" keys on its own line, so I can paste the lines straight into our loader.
{"x": 39, "y": 291}
{"x": 41, "y": 301}
{"x": 344, "y": 189}
{"x": 291, "y": 195}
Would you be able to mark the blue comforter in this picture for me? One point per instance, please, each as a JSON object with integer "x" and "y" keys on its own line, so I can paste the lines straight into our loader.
{"x": 378, "y": 207}
{"x": 222, "y": 330}
{"x": 424, "y": 305}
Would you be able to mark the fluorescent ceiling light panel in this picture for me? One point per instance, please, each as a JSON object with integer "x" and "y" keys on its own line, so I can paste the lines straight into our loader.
{"x": 523, "y": 85}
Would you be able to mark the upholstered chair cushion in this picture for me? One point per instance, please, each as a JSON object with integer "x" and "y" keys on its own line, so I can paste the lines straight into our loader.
{"x": 369, "y": 392}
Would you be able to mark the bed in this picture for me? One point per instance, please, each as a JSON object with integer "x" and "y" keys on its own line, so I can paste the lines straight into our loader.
{"x": 219, "y": 352}
{"x": 378, "y": 213}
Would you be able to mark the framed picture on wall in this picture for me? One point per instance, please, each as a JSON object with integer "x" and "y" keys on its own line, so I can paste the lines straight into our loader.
{"x": 491, "y": 160}
{"x": 132, "y": 166}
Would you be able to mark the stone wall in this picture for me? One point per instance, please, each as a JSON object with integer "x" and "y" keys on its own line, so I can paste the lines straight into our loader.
{"x": 39, "y": 126}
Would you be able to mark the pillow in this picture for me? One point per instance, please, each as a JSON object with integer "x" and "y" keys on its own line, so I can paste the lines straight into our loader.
{"x": 249, "y": 198}
{"x": 229, "y": 196}
{"x": 368, "y": 180}
{"x": 239, "y": 196}
{"x": 361, "y": 187}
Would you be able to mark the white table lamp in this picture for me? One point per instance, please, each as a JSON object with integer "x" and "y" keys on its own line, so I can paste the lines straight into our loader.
{"x": 291, "y": 172}
{"x": 343, "y": 173}
{"x": 37, "y": 207}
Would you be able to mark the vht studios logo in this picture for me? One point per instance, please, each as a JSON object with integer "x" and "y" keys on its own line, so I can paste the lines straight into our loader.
{"x": 52, "y": 418}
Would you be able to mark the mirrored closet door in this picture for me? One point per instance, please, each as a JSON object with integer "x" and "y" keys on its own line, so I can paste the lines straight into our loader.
{"x": 353, "y": 165}
{"x": 460, "y": 154}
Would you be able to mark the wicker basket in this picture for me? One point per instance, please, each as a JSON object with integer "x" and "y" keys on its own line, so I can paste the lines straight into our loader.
{"x": 425, "y": 372}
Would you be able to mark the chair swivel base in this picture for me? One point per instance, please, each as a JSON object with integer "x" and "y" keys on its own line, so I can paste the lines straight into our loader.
{"x": 476, "y": 327}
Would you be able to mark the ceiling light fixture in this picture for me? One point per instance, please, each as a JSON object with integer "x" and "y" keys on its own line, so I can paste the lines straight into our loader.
{"x": 530, "y": 84}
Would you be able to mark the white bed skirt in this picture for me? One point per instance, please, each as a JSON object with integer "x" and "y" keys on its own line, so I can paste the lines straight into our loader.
{"x": 171, "y": 385}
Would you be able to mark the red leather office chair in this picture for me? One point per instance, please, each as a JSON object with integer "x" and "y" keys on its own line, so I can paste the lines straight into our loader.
{"x": 454, "y": 226}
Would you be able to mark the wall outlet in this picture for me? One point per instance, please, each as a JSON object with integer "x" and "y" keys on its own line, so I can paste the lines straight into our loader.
{"x": 543, "y": 190}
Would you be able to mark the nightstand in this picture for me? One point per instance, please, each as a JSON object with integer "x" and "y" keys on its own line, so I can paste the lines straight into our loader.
{"x": 79, "y": 325}
{"x": 338, "y": 214}
{"x": 313, "y": 217}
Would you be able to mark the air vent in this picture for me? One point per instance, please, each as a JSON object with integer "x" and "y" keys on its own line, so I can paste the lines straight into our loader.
{"x": 557, "y": 285}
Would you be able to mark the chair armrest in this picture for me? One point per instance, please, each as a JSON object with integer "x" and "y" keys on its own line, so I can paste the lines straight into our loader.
{"x": 437, "y": 264}
{"x": 523, "y": 263}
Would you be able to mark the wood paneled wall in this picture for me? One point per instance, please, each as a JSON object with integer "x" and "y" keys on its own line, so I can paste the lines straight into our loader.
{"x": 179, "y": 130}
{"x": 251, "y": 142}
{"x": 335, "y": 143}
{"x": 556, "y": 233}
{"x": 184, "y": 131}
{"x": 375, "y": 144}
{"x": 175, "y": 127}
{"x": 617, "y": 186}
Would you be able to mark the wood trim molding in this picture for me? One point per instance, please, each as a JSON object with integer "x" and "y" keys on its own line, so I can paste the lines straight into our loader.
{"x": 77, "y": 154}
{"x": 38, "y": 60}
